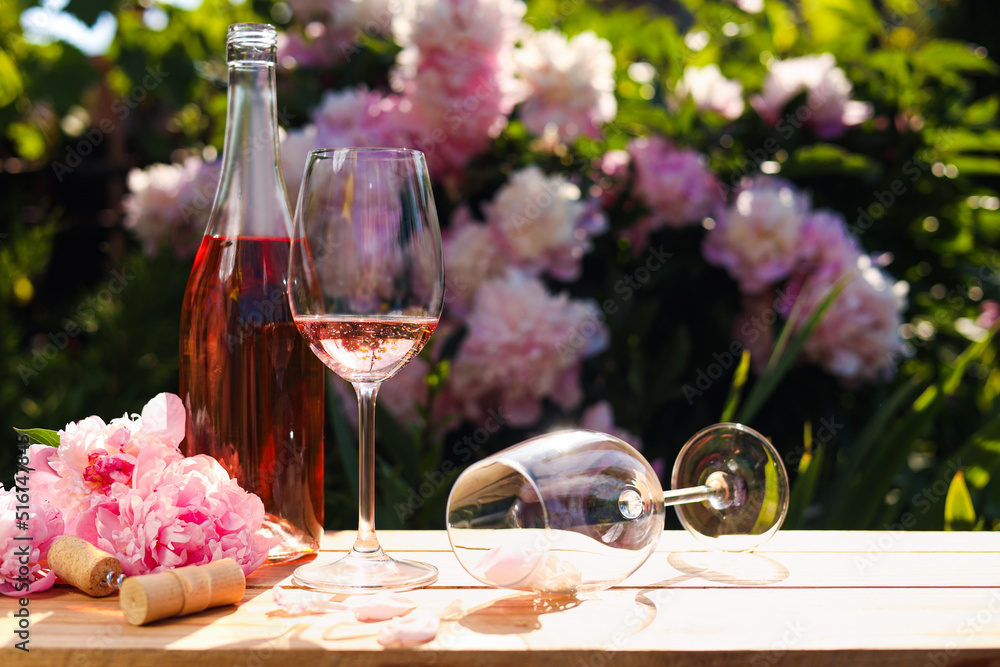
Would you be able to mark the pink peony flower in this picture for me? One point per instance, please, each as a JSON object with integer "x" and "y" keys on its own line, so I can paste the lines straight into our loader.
{"x": 472, "y": 255}
{"x": 858, "y": 338}
{"x": 757, "y": 239}
{"x": 523, "y": 345}
{"x": 710, "y": 91}
{"x": 456, "y": 76}
{"x": 674, "y": 183}
{"x": 94, "y": 459}
{"x": 170, "y": 203}
{"x": 542, "y": 223}
{"x": 186, "y": 511}
{"x": 44, "y": 525}
{"x": 569, "y": 84}
{"x": 828, "y": 95}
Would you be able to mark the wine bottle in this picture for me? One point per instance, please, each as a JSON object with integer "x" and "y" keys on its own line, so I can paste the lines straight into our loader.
{"x": 252, "y": 389}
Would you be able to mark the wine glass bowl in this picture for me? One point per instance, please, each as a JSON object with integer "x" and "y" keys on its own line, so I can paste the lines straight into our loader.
{"x": 366, "y": 286}
{"x": 575, "y": 511}
{"x": 569, "y": 511}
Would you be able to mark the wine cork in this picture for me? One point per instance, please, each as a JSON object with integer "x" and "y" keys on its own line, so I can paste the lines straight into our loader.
{"x": 183, "y": 591}
{"x": 81, "y": 564}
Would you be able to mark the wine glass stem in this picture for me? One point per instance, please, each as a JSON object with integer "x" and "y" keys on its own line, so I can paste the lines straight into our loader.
{"x": 692, "y": 494}
{"x": 366, "y": 542}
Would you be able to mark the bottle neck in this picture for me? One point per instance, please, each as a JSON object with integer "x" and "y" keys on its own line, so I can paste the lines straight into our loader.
{"x": 251, "y": 199}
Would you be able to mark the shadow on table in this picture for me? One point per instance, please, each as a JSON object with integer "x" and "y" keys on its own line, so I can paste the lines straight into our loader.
{"x": 736, "y": 569}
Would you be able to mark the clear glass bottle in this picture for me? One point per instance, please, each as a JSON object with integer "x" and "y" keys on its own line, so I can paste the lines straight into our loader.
{"x": 252, "y": 388}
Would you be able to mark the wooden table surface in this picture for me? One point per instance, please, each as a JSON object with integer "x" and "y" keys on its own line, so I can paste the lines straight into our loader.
{"x": 809, "y": 598}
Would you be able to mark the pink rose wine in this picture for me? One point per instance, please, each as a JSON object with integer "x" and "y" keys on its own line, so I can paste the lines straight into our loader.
{"x": 366, "y": 349}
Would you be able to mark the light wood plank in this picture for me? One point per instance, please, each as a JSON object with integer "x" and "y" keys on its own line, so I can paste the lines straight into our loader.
{"x": 922, "y": 599}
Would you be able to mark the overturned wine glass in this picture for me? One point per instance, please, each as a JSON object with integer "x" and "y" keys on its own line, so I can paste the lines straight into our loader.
{"x": 576, "y": 511}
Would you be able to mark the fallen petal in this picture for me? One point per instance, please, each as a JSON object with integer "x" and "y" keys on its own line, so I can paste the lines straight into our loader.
{"x": 413, "y": 630}
{"x": 382, "y": 607}
{"x": 507, "y": 565}
{"x": 297, "y": 601}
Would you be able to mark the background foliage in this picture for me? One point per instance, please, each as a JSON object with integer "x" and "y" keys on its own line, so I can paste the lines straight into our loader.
{"x": 874, "y": 456}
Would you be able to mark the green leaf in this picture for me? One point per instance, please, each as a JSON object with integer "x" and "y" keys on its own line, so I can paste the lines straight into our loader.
{"x": 804, "y": 488}
{"x": 959, "y": 513}
{"x": 982, "y": 112}
{"x": 10, "y": 79}
{"x": 975, "y": 165}
{"x": 40, "y": 436}
{"x": 950, "y": 56}
{"x": 820, "y": 158}
{"x": 736, "y": 388}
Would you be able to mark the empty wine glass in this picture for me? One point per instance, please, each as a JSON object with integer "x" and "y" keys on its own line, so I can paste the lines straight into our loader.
{"x": 366, "y": 286}
{"x": 574, "y": 511}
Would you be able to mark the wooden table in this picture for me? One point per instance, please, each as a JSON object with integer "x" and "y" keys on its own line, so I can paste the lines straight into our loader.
{"x": 809, "y": 598}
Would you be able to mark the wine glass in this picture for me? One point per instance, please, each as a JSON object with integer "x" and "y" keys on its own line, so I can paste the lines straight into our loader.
{"x": 366, "y": 286}
{"x": 575, "y": 511}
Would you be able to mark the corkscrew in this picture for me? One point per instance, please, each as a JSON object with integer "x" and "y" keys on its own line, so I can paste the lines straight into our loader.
{"x": 149, "y": 597}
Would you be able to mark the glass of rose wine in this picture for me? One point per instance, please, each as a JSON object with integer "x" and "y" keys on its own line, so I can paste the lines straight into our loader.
{"x": 366, "y": 287}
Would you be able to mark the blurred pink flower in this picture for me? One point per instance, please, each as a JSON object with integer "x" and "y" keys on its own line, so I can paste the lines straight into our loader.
{"x": 601, "y": 417}
{"x": 542, "y": 223}
{"x": 989, "y": 312}
{"x": 456, "y": 77}
{"x": 523, "y": 345}
{"x": 858, "y": 338}
{"x": 44, "y": 525}
{"x": 754, "y": 327}
{"x": 826, "y": 247}
{"x": 758, "y": 238}
{"x": 171, "y": 203}
{"x": 674, "y": 183}
{"x": 569, "y": 84}
{"x": 187, "y": 511}
{"x": 828, "y": 95}
{"x": 710, "y": 91}
{"x": 345, "y": 118}
{"x": 95, "y": 460}
{"x": 472, "y": 255}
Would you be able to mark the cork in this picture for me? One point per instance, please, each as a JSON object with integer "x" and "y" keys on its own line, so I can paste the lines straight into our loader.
{"x": 81, "y": 564}
{"x": 183, "y": 591}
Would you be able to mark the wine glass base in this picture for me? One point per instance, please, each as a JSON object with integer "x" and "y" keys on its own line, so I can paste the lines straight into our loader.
{"x": 365, "y": 573}
{"x": 756, "y": 499}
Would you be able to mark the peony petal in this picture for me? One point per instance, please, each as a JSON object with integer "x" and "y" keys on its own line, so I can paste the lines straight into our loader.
{"x": 412, "y": 630}
{"x": 382, "y": 607}
{"x": 298, "y": 601}
{"x": 164, "y": 417}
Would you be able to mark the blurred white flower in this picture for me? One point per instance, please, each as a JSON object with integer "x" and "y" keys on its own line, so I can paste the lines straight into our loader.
{"x": 569, "y": 84}
{"x": 711, "y": 91}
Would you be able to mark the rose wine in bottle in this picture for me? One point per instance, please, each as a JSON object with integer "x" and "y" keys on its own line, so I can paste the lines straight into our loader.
{"x": 252, "y": 389}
